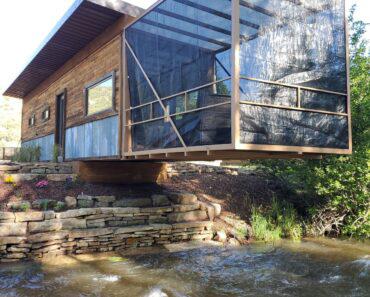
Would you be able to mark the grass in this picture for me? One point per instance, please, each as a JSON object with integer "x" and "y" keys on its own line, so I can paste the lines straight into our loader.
{"x": 27, "y": 154}
{"x": 281, "y": 221}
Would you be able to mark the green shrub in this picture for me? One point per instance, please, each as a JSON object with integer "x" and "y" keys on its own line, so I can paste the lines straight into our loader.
{"x": 60, "y": 206}
{"x": 27, "y": 154}
{"x": 262, "y": 229}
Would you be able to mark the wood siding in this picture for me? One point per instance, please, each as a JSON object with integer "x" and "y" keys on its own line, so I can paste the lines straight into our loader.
{"x": 46, "y": 144}
{"x": 101, "y": 56}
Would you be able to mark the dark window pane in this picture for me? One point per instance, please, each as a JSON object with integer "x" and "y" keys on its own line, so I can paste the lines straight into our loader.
{"x": 154, "y": 135}
{"x": 140, "y": 114}
{"x": 298, "y": 42}
{"x": 259, "y": 92}
{"x": 177, "y": 44}
{"x": 323, "y": 101}
{"x": 205, "y": 127}
{"x": 140, "y": 91}
{"x": 157, "y": 110}
{"x": 175, "y": 105}
{"x": 264, "y": 125}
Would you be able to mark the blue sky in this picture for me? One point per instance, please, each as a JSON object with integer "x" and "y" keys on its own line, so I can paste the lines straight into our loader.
{"x": 24, "y": 24}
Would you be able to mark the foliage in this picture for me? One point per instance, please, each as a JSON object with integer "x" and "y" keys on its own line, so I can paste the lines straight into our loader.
{"x": 55, "y": 153}
{"x": 24, "y": 206}
{"x": 336, "y": 188}
{"x": 60, "y": 206}
{"x": 281, "y": 221}
{"x": 27, "y": 154}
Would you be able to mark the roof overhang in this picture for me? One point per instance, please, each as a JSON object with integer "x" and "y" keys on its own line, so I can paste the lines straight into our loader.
{"x": 82, "y": 23}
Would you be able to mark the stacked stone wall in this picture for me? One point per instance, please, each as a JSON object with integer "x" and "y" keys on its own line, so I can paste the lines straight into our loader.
{"x": 30, "y": 235}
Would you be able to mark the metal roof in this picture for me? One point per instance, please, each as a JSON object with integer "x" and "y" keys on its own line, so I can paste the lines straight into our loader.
{"x": 83, "y": 22}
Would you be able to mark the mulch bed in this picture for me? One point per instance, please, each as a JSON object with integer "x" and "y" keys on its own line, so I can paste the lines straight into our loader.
{"x": 234, "y": 193}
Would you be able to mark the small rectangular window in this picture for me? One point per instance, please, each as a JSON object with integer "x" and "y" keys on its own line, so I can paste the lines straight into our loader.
{"x": 100, "y": 95}
{"x": 45, "y": 114}
{"x": 32, "y": 121}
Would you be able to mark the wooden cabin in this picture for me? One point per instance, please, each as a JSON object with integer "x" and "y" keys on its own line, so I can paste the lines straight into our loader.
{"x": 190, "y": 80}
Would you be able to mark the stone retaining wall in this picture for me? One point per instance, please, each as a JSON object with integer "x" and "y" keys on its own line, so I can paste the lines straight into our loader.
{"x": 29, "y": 235}
{"x": 189, "y": 168}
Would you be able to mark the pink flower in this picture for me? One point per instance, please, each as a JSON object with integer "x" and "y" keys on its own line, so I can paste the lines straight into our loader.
{"x": 42, "y": 184}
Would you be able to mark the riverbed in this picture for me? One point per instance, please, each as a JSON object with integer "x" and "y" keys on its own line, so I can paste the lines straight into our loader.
{"x": 313, "y": 267}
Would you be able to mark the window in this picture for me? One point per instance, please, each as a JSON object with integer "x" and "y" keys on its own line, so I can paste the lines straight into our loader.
{"x": 45, "y": 114}
{"x": 32, "y": 121}
{"x": 100, "y": 95}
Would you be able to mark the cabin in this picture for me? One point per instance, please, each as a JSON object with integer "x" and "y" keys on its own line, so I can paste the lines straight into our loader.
{"x": 190, "y": 80}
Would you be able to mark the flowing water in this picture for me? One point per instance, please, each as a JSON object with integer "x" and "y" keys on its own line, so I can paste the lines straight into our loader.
{"x": 310, "y": 268}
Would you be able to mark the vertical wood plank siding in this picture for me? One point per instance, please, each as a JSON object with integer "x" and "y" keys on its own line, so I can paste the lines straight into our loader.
{"x": 94, "y": 139}
{"x": 46, "y": 145}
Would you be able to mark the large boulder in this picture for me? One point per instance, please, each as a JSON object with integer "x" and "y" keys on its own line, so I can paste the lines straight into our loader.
{"x": 183, "y": 198}
{"x": 190, "y": 216}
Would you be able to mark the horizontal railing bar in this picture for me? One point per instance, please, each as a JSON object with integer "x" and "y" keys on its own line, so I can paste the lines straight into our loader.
{"x": 179, "y": 113}
{"x": 178, "y": 94}
{"x": 292, "y": 86}
{"x": 294, "y": 108}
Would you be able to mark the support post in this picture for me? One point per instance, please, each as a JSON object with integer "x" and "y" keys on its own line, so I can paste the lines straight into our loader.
{"x": 235, "y": 74}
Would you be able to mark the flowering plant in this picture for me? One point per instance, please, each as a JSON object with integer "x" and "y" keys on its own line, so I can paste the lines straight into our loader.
{"x": 42, "y": 184}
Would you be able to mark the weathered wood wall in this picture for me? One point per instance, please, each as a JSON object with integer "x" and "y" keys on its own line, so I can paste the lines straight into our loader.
{"x": 93, "y": 139}
{"x": 46, "y": 145}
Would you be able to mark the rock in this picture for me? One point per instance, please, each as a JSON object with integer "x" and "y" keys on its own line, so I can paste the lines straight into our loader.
{"x": 6, "y": 216}
{"x": 38, "y": 171}
{"x": 6, "y": 167}
{"x": 160, "y": 200}
{"x": 89, "y": 233}
{"x": 11, "y": 240}
{"x": 75, "y": 213}
{"x": 133, "y": 202}
{"x": 196, "y": 215}
{"x": 133, "y": 229}
{"x": 29, "y": 216}
{"x": 217, "y": 208}
{"x": 209, "y": 209}
{"x": 48, "y": 215}
{"x": 99, "y": 223}
{"x": 13, "y": 229}
{"x": 119, "y": 210}
{"x": 233, "y": 242}
{"x": 60, "y": 177}
{"x": 14, "y": 249}
{"x": 221, "y": 236}
{"x": 71, "y": 202}
{"x": 185, "y": 207}
{"x": 42, "y": 237}
{"x": 15, "y": 256}
{"x": 105, "y": 199}
{"x": 204, "y": 224}
{"x": 45, "y": 226}
{"x": 85, "y": 201}
{"x": 73, "y": 223}
{"x": 183, "y": 198}
{"x": 19, "y": 177}
{"x": 158, "y": 210}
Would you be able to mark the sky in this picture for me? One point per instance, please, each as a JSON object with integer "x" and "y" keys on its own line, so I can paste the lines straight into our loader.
{"x": 24, "y": 24}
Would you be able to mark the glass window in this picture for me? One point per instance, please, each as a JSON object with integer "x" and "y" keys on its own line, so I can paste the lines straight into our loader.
{"x": 32, "y": 121}
{"x": 100, "y": 95}
{"x": 45, "y": 114}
